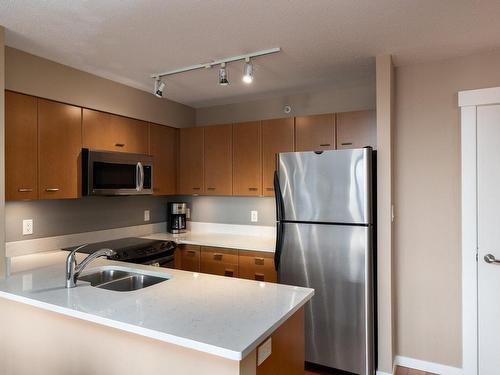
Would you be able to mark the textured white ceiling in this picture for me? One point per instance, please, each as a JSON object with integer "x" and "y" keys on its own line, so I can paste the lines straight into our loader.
{"x": 324, "y": 42}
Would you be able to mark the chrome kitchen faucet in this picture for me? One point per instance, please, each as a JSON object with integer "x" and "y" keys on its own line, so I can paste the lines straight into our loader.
{"x": 73, "y": 269}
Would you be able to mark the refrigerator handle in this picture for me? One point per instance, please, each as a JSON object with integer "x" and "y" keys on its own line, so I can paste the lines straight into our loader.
{"x": 279, "y": 218}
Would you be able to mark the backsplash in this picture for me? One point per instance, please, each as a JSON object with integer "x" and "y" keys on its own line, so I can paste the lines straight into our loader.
{"x": 229, "y": 210}
{"x": 59, "y": 217}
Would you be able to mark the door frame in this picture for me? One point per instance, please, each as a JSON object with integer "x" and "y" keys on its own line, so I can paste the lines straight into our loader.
{"x": 468, "y": 101}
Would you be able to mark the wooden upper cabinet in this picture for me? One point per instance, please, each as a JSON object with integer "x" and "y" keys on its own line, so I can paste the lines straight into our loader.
{"x": 20, "y": 146}
{"x": 314, "y": 133}
{"x": 190, "y": 161}
{"x": 247, "y": 161}
{"x": 218, "y": 148}
{"x": 104, "y": 131}
{"x": 277, "y": 136}
{"x": 59, "y": 150}
{"x": 356, "y": 129}
{"x": 163, "y": 148}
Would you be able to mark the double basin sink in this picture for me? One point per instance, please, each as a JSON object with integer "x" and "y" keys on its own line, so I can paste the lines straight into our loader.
{"x": 121, "y": 280}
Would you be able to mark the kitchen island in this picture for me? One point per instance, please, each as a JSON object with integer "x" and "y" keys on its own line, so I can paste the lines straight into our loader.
{"x": 192, "y": 323}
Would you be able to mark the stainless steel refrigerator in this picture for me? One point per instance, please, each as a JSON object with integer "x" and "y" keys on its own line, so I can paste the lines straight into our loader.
{"x": 325, "y": 241}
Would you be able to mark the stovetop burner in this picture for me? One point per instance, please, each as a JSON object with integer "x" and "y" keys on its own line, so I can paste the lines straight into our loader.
{"x": 131, "y": 249}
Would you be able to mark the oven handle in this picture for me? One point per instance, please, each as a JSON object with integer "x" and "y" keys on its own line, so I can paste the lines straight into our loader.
{"x": 139, "y": 179}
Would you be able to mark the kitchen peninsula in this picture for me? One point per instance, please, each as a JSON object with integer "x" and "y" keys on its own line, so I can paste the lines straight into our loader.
{"x": 189, "y": 323}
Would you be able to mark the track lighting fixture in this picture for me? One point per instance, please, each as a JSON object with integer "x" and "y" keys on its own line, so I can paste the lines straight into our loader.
{"x": 247, "y": 71}
{"x": 223, "y": 72}
{"x": 159, "y": 87}
{"x": 223, "y": 76}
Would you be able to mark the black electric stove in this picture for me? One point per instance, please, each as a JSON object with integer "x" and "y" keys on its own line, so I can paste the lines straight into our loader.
{"x": 136, "y": 250}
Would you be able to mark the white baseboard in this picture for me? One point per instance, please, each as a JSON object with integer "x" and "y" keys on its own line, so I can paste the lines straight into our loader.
{"x": 435, "y": 368}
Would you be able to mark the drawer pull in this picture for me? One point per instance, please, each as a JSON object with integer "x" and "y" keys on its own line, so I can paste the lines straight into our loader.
{"x": 217, "y": 256}
{"x": 196, "y": 188}
{"x": 324, "y": 144}
{"x": 25, "y": 190}
{"x": 259, "y": 261}
{"x": 253, "y": 189}
{"x": 211, "y": 188}
{"x": 259, "y": 276}
{"x": 120, "y": 144}
{"x": 191, "y": 252}
{"x": 346, "y": 143}
{"x": 228, "y": 272}
{"x": 51, "y": 190}
{"x": 269, "y": 189}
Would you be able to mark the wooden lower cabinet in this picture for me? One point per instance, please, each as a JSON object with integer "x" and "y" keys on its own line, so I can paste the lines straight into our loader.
{"x": 257, "y": 265}
{"x": 245, "y": 264}
{"x": 187, "y": 258}
{"x": 219, "y": 261}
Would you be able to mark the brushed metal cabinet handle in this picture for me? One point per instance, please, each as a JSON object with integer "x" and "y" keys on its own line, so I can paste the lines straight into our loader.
{"x": 259, "y": 276}
{"x": 269, "y": 189}
{"x": 229, "y": 272}
{"x": 324, "y": 144}
{"x": 196, "y": 188}
{"x": 210, "y": 188}
{"x": 120, "y": 144}
{"x": 218, "y": 256}
{"x": 191, "y": 252}
{"x": 25, "y": 190}
{"x": 259, "y": 261}
{"x": 51, "y": 190}
{"x": 490, "y": 258}
{"x": 252, "y": 189}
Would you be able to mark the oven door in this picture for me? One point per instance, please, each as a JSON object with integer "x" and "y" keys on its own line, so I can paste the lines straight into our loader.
{"x": 116, "y": 173}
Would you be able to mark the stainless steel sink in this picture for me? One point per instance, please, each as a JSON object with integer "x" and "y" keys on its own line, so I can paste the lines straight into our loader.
{"x": 120, "y": 280}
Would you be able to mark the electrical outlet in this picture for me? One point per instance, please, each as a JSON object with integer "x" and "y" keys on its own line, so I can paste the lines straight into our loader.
{"x": 146, "y": 215}
{"x": 27, "y": 227}
{"x": 254, "y": 216}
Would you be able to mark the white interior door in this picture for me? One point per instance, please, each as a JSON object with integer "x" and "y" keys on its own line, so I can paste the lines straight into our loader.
{"x": 488, "y": 191}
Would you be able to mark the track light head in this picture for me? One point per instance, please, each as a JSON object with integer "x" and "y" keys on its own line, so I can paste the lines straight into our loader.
{"x": 223, "y": 76}
{"x": 159, "y": 87}
{"x": 247, "y": 71}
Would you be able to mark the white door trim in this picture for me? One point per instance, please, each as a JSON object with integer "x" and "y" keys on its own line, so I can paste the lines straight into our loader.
{"x": 469, "y": 101}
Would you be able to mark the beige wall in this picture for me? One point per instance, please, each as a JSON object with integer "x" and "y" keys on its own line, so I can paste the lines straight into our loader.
{"x": 2, "y": 148}
{"x": 385, "y": 301}
{"x": 34, "y": 75}
{"x": 356, "y": 95}
{"x": 427, "y": 202}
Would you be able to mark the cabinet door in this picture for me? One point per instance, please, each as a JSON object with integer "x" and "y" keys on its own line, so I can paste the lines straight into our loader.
{"x": 277, "y": 136}
{"x": 219, "y": 261}
{"x": 189, "y": 257}
{"x": 191, "y": 161}
{"x": 314, "y": 133}
{"x": 356, "y": 129}
{"x": 256, "y": 265}
{"x": 247, "y": 162}
{"x": 59, "y": 150}
{"x": 20, "y": 147}
{"x": 218, "y": 145}
{"x": 163, "y": 148}
{"x": 104, "y": 131}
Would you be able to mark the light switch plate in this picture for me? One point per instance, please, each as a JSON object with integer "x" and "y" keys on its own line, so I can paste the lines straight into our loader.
{"x": 264, "y": 351}
{"x": 146, "y": 215}
{"x": 254, "y": 216}
{"x": 27, "y": 227}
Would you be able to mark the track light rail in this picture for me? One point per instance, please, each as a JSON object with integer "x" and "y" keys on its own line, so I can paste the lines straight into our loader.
{"x": 217, "y": 62}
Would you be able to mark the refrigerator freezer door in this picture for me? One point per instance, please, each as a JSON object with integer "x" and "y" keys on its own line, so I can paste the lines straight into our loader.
{"x": 332, "y": 186}
{"x": 335, "y": 260}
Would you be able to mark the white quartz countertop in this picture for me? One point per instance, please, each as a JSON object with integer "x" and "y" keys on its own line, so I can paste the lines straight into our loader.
{"x": 218, "y": 315}
{"x": 227, "y": 240}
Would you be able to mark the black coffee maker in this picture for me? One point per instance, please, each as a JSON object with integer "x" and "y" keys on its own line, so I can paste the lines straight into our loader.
{"x": 176, "y": 220}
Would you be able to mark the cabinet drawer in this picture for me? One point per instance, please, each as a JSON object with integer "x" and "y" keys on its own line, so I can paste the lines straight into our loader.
{"x": 256, "y": 265}
{"x": 219, "y": 261}
{"x": 189, "y": 258}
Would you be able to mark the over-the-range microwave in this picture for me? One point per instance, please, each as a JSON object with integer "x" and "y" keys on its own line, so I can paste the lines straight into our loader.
{"x": 116, "y": 173}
